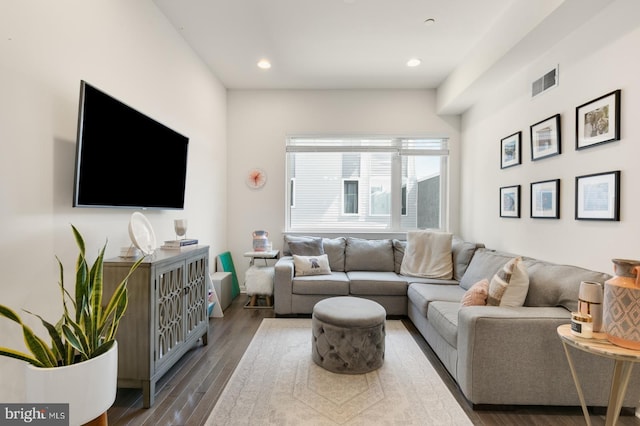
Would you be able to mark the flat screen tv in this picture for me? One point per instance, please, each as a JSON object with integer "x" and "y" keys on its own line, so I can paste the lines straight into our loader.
{"x": 124, "y": 158}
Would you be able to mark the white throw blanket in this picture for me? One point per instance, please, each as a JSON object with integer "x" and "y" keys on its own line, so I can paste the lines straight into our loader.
{"x": 428, "y": 255}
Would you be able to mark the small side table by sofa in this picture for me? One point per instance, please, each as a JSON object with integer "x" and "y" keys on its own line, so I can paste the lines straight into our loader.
{"x": 259, "y": 279}
{"x": 599, "y": 345}
{"x": 253, "y": 255}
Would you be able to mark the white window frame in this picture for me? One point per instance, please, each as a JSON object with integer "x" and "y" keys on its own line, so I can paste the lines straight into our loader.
{"x": 402, "y": 146}
{"x": 292, "y": 192}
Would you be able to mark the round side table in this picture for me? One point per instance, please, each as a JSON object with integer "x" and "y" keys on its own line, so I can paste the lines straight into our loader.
{"x": 599, "y": 345}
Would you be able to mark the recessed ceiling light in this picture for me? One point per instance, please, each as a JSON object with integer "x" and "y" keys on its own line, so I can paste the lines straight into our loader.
{"x": 429, "y": 21}
{"x": 264, "y": 64}
{"x": 413, "y": 62}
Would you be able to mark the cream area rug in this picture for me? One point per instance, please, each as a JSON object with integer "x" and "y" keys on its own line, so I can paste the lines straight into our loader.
{"x": 277, "y": 383}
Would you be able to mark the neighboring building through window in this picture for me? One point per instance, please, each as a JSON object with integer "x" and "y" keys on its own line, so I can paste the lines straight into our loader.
{"x": 350, "y": 197}
{"x": 366, "y": 184}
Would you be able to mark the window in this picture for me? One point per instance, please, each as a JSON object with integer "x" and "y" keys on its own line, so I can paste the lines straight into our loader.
{"x": 350, "y": 197}
{"x": 366, "y": 184}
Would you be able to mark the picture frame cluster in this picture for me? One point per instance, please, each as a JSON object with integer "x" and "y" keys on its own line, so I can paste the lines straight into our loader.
{"x": 597, "y": 195}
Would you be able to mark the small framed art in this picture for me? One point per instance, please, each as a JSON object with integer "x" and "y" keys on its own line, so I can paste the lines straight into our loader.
{"x": 545, "y": 138}
{"x": 545, "y": 199}
{"x": 510, "y": 201}
{"x": 598, "y": 196}
{"x": 598, "y": 121}
{"x": 510, "y": 153}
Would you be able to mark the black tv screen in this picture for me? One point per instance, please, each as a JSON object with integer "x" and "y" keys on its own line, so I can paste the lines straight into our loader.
{"x": 124, "y": 158}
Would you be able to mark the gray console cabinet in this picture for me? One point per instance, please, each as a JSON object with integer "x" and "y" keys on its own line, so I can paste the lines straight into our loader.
{"x": 166, "y": 316}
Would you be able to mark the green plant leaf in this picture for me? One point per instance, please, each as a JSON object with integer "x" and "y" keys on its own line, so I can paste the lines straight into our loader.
{"x": 74, "y": 341}
{"x": 95, "y": 299}
{"x": 39, "y": 348}
{"x": 115, "y": 301}
{"x": 56, "y": 340}
{"x": 8, "y": 313}
{"x": 21, "y": 356}
{"x": 103, "y": 348}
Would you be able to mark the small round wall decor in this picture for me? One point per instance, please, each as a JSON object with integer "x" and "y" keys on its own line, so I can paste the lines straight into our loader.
{"x": 256, "y": 178}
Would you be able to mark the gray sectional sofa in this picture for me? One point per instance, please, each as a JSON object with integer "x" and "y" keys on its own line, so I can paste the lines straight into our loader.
{"x": 497, "y": 355}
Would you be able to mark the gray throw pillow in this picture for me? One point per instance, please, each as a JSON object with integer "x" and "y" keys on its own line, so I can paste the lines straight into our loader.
{"x": 304, "y": 246}
{"x": 398, "y": 254}
{"x": 462, "y": 252}
{"x": 369, "y": 255}
{"x": 334, "y": 248}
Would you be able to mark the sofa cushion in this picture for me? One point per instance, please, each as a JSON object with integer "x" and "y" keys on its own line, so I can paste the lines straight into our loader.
{"x": 311, "y": 265}
{"x": 443, "y": 317}
{"x": 376, "y": 283}
{"x": 557, "y": 285}
{"x": 484, "y": 264}
{"x": 368, "y": 255}
{"x": 304, "y": 246}
{"x": 398, "y": 254}
{"x": 477, "y": 294}
{"x": 422, "y": 280}
{"x": 334, "y": 248}
{"x": 421, "y": 295}
{"x": 336, "y": 284}
{"x": 461, "y": 254}
{"x": 509, "y": 285}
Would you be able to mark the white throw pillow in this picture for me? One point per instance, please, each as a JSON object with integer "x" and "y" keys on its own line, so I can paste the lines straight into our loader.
{"x": 311, "y": 265}
{"x": 509, "y": 286}
{"x": 428, "y": 255}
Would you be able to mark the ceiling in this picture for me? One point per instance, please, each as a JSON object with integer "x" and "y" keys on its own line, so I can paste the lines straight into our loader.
{"x": 365, "y": 44}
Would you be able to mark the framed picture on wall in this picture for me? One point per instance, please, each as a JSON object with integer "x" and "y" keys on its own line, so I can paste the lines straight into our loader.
{"x": 545, "y": 138}
{"x": 598, "y": 196}
{"x": 545, "y": 199}
{"x": 510, "y": 153}
{"x": 510, "y": 201}
{"x": 598, "y": 121}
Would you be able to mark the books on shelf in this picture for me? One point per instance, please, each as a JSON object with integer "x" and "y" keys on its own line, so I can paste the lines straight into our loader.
{"x": 176, "y": 244}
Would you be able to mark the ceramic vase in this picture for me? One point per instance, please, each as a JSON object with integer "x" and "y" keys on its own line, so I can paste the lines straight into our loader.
{"x": 621, "y": 309}
{"x": 260, "y": 240}
{"x": 590, "y": 298}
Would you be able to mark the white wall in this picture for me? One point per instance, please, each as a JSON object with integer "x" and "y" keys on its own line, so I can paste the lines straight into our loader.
{"x": 596, "y": 59}
{"x": 128, "y": 49}
{"x": 260, "y": 121}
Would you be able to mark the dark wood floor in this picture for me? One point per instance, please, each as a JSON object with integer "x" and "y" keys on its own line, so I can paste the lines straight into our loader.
{"x": 187, "y": 393}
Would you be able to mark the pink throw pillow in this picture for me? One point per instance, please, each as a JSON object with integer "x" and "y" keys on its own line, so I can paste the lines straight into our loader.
{"x": 477, "y": 294}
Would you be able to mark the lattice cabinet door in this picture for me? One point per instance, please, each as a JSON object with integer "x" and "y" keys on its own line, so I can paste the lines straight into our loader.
{"x": 196, "y": 295}
{"x": 170, "y": 310}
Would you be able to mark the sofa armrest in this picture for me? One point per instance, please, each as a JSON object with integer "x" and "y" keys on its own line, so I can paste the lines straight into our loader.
{"x": 503, "y": 352}
{"x": 501, "y": 348}
{"x": 283, "y": 286}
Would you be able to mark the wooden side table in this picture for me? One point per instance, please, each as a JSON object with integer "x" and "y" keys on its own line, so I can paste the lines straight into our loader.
{"x": 599, "y": 345}
{"x": 253, "y": 255}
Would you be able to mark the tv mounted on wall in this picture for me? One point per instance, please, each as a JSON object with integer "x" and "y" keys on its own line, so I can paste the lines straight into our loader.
{"x": 124, "y": 158}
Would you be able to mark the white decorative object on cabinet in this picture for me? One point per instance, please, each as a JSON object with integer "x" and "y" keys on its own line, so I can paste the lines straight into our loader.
{"x": 166, "y": 316}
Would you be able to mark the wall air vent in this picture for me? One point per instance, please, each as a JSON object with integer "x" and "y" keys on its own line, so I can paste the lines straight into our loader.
{"x": 544, "y": 83}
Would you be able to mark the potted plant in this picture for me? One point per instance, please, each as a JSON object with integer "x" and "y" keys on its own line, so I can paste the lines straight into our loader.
{"x": 81, "y": 342}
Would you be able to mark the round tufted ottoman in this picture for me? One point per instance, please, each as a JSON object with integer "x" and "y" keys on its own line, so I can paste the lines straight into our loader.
{"x": 348, "y": 334}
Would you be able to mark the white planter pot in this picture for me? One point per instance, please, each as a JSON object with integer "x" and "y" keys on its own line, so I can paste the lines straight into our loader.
{"x": 89, "y": 387}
